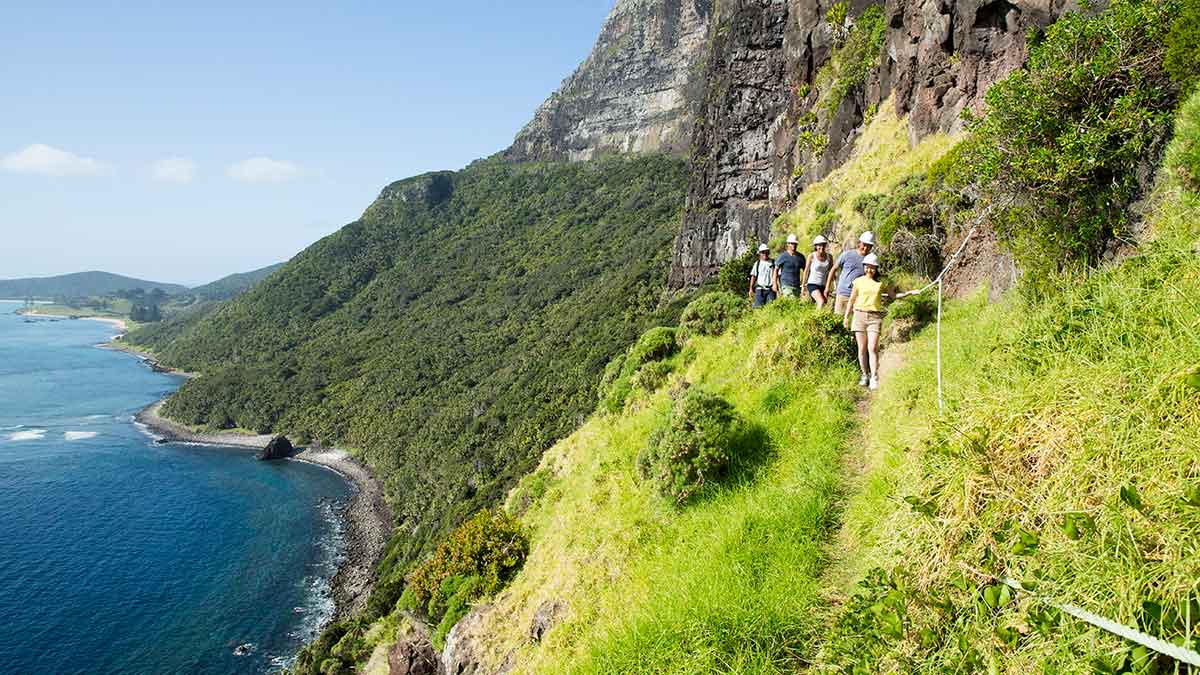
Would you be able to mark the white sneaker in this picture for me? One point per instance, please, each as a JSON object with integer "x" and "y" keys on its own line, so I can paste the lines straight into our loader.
{"x": 862, "y": 381}
{"x": 874, "y": 383}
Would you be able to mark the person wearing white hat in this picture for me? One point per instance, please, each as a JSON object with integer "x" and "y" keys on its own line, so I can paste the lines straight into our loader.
{"x": 867, "y": 309}
{"x": 789, "y": 267}
{"x": 848, "y": 267}
{"x": 763, "y": 287}
{"x": 818, "y": 270}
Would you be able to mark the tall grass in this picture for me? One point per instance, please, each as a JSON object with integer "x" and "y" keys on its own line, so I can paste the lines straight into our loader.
{"x": 727, "y": 584}
{"x": 1072, "y": 426}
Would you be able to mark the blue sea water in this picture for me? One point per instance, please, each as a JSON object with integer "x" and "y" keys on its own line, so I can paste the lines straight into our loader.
{"x": 121, "y": 556}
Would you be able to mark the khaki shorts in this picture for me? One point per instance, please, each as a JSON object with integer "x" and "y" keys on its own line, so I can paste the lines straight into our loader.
{"x": 839, "y": 305}
{"x": 788, "y": 291}
{"x": 866, "y": 322}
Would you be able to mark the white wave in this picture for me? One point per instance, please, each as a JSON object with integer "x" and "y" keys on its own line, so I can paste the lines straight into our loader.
{"x": 80, "y": 435}
{"x": 31, "y": 435}
{"x": 12, "y": 428}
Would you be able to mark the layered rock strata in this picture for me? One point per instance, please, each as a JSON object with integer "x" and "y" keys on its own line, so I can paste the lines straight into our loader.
{"x": 633, "y": 94}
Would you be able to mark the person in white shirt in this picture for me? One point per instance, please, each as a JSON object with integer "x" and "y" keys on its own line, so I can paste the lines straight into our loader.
{"x": 763, "y": 284}
{"x": 818, "y": 270}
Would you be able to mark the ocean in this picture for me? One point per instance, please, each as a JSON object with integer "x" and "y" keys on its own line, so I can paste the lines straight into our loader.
{"x": 118, "y": 555}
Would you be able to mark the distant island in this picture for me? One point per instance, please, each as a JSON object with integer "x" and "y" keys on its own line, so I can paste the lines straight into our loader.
{"x": 120, "y": 298}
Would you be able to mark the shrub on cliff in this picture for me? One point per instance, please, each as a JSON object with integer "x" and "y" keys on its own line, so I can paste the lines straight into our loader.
{"x": 1064, "y": 138}
{"x": 734, "y": 275}
{"x": 710, "y": 314}
{"x": 489, "y": 547}
{"x": 1183, "y": 156}
{"x": 621, "y": 375}
{"x": 1183, "y": 45}
{"x": 693, "y": 447}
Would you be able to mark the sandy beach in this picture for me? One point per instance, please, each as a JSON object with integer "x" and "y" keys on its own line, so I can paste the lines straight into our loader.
{"x": 119, "y": 323}
{"x": 368, "y": 517}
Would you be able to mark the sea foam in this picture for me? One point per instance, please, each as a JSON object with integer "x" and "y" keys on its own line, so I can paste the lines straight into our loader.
{"x": 31, "y": 435}
{"x": 80, "y": 435}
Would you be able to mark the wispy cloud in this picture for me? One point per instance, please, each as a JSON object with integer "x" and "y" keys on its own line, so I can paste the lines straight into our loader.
{"x": 173, "y": 170}
{"x": 48, "y": 161}
{"x": 263, "y": 170}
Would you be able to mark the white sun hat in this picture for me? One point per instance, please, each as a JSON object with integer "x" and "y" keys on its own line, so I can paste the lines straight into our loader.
{"x": 871, "y": 259}
{"x": 820, "y": 240}
{"x": 792, "y": 239}
{"x": 868, "y": 238}
{"x": 763, "y": 247}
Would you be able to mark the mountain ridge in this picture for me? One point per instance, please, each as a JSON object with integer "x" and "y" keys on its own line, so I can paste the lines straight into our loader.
{"x": 78, "y": 284}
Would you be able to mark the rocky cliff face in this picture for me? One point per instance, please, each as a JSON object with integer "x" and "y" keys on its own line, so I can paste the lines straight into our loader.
{"x": 634, "y": 93}
{"x": 765, "y": 128}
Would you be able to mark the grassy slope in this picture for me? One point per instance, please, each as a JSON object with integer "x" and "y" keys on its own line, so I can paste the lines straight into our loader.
{"x": 882, "y": 158}
{"x": 1050, "y": 410}
{"x": 729, "y": 584}
{"x": 726, "y": 584}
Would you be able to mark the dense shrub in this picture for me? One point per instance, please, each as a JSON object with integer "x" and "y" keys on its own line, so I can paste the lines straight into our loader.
{"x": 619, "y": 376}
{"x": 652, "y": 376}
{"x": 692, "y": 447}
{"x": 1183, "y": 155}
{"x": 491, "y": 546}
{"x": 1064, "y": 137}
{"x": 1183, "y": 45}
{"x": 654, "y": 345}
{"x": 710, "y": 314}
{"x": 735, "y": 274}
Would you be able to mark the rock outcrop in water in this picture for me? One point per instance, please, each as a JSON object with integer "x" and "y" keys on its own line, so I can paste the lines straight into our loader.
{"x": 633, "y": 94}
{"x": 279, "y": 448}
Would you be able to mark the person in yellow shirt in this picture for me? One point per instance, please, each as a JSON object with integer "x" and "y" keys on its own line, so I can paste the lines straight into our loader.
{"x": 866, "y": 308}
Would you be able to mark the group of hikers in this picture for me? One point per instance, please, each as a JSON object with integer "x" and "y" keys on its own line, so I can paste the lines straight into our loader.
{"x": 853, "y": 279}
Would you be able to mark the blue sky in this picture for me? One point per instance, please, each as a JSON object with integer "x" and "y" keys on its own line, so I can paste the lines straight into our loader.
{"x": 183, "y": 144}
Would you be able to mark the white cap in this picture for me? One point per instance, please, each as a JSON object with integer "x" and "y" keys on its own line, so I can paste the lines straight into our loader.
{"x": 820, "y": 240}
{"x": 868, "y": 238}
{"x": 792, "y": 239}
{"x": 763, "y": 247}
{"x": 871, "y": 259}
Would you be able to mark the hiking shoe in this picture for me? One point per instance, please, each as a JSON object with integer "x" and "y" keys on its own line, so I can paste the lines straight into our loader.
{"x": 874, "y": 383}
{"x": 862, "y": 381}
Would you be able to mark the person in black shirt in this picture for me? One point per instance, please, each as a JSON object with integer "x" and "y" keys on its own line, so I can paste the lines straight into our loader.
{"x": 789, "y": 268}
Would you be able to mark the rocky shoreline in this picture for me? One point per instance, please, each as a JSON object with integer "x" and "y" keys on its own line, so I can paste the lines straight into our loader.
{"x": 368, "y": 517}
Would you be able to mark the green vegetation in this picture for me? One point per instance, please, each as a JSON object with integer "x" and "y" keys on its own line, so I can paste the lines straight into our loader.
{"x": 1183, "y": 46}
{"x": 727, "y": 584}
{"x": 711, "y": 314}
{"x": 80, "y": 285}
{"x": 694, "y": 446}
{"x": 851, "y": 64}
{"x": 1065, "y": 137}
{"x": 233, "y": 285}
{"x": 1067, "y": 460}
{"x": 625, "y": 372}
{"x": 1183, "y": 156}
{"x": 449, "y": 336}
{"x": 475, "y": 561}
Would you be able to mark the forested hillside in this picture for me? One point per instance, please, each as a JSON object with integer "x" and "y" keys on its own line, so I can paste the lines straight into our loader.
{"x": 452, "y": 333}
{"x": 234, "y": 284}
